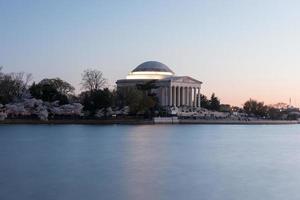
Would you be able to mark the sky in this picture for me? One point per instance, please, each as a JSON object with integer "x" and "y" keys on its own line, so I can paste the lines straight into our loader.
{"x": 238, "y": 49}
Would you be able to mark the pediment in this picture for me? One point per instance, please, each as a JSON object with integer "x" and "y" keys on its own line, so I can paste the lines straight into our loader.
{"x": 185, "y": 79}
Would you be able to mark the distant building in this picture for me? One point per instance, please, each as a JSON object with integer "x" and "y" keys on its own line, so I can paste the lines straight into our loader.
{"x": 172, "y": 91}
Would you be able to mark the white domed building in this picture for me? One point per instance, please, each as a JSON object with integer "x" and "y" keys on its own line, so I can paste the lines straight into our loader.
{"x": 172, "y": 91}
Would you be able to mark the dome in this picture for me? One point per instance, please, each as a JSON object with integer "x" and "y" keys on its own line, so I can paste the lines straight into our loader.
{"x": 152, "y": 66}
{"x": 151, "y": 70}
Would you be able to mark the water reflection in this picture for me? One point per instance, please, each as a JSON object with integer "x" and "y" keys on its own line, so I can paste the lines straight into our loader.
{"x": 146, "y": 161}
{"x": 149, "y": 162}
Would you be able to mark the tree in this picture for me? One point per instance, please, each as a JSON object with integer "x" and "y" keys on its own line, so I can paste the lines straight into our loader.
{"x": 61, "y": 86}
{"x": 129, "y": 97}
{"x": 253, "y": 107}
{"x": 274, "y": 113}
{"x": 13, "y": 86}
{"x": 225, "y": 108}
{"x": 148, "y": 105}
{"x": 141, "y": 102}
{"x": 214, "y": 102}
{"x": 97, "y": 99}
{"x": 52, "y": 90}
{"x": 150, "y": 102}
{"x": 147, "y": 87}
{"x": 92, "y": 79}
{"x": 204, "y": 101}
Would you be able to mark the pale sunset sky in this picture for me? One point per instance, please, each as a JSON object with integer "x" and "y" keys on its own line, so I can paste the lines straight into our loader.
{"x": 239, "y": 49}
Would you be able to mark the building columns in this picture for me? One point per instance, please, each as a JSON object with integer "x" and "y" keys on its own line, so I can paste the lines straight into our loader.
{"x": 174, "y": 96}
{"x": 170, "y": 96}
{"x": 167, "y": 96}
{"x": 195, "y": 98}
{"x": 190, "y": 96}
{"x": 187, "y": 96}
{"x": 162, "y": 96}
{"x": 199, "y": 97}
{"x": 180, "y": 96}
{"x": 183, "y": 96}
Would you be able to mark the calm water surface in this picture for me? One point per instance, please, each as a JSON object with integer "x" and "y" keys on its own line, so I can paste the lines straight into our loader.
{"x": 67, "y": 162}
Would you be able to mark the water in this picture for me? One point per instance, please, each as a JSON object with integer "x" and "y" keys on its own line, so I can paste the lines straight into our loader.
{"x": 68, "y": 162}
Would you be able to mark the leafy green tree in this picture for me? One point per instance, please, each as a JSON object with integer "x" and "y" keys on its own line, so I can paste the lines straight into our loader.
{"x": 96, "y": 99}
{"x": 140, "y": 99}
{"x": 61, "y": 86}
{"x": 225, "y": 108}
{"x": 204, "y": 101}
{"x": 253, "y": 107}
{"x": 52, "y": 90}
{"x": 131, "y": 97}
{"x": 147, "y": 87}
{"x": 274, "y": 113}
{"x": 214, "y": 103}
{"x": 150, "y": 102}
{"x": 292, "y": 116}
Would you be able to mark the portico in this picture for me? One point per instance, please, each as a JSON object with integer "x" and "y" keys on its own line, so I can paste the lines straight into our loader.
{"x": 179, "y": 91}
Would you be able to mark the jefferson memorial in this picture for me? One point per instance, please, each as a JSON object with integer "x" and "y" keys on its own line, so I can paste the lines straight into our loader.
{"x": 172, "y": 91}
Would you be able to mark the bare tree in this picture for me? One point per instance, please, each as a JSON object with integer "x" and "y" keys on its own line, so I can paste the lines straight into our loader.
{"x": 92, "y": 79}
{"x": 13, "y": 86}
{"x": 1, "y": 73}
{"x": 23, "y": 78}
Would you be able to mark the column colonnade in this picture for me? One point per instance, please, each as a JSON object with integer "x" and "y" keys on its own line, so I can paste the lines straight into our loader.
{"x": 177, "y": 95}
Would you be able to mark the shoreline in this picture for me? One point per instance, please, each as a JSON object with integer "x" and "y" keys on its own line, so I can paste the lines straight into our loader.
{"x": 233, "y": 122}
{"x": 77, "y": 121}
{"x": 144, "y": 122}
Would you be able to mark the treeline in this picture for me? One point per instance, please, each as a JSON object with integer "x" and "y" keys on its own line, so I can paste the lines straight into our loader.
{"x": 259, "y": 109}
{"x": 54, "y": 96}
{"x": 211, "y": 104}
{"x": 97, "y": 100}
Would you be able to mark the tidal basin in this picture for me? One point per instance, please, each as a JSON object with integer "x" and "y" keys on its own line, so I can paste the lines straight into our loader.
{"x": 128, "y": 162}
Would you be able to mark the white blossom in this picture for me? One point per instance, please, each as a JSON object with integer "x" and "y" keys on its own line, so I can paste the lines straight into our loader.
{"x": 42, "y": 109}
{"x": 3, "y": 116}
